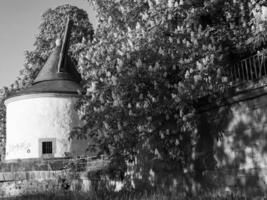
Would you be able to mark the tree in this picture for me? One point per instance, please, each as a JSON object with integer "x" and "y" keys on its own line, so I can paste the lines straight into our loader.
{"x": 3, "y": 95}
{"x": 149, "y": 64}
{"x": 51, "y": 28}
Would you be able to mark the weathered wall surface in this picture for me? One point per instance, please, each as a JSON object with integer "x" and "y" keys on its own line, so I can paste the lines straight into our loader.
{"x": 35, "y": 117}
{"x": 34, "y": 182}
{"x": 50, "y": 175}
{"x": 241, "y": 154}
{"x": 244, "y": 144}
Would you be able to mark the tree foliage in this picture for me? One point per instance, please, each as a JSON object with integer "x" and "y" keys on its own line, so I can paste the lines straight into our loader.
{"x": 3, "y": 95}
{"x": 147, "y": 67}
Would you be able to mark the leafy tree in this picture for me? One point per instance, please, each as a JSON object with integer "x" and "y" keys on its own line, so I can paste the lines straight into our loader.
{"x": 51, "y": 28}
{"x": 3, "y": 94}
{"x": 146, "y": 69}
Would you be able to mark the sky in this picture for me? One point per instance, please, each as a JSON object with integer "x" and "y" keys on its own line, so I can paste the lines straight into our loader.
{"x": 19, "y": 22}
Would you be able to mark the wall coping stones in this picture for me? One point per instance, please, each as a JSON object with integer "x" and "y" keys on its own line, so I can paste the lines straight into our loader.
{"x": 30, "y": 175}
{"x": 54, "y": 164}
{"x": 232, "y": 97}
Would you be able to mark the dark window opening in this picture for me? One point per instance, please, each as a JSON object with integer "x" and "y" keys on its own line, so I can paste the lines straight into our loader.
{"x": 47, "y": 148}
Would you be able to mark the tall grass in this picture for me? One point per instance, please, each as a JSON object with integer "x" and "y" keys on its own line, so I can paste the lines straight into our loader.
{"x": 135, "y": 196}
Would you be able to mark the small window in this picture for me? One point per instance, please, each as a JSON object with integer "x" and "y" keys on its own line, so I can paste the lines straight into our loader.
{"x": 47, "y": 147}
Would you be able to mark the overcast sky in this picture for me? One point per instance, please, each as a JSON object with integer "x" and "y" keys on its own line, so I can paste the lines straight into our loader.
{"x": 19, "y": 22}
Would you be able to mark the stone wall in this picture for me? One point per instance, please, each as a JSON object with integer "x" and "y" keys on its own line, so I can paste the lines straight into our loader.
{"x": 22, "y": 183}
{"x": 40, "y": 176}
{"x": 240, "y": 155}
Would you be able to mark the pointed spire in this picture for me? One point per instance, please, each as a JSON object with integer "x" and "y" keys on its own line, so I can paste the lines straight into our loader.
{"x": 65, "y": 45}
{"x": 59, "y": 74}
{"x": 59, "y": 65}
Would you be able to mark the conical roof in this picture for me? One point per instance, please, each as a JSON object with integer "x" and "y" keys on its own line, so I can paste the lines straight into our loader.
{"x": 58, "y": 75}
{"x": 50, "y": 70}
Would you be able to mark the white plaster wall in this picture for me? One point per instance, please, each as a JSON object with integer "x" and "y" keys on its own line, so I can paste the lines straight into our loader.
{"x": 30, "y": 119}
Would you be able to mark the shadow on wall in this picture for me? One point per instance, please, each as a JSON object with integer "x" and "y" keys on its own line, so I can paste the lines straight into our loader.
{"x": 238, "y": 160}
{"x": 231, "y": 153}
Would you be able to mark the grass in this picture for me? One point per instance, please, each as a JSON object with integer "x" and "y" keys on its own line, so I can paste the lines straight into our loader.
{"x": 134, "y": 196}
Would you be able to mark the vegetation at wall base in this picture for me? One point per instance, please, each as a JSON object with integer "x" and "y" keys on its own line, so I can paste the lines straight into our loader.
{"x": 138, "y": 196}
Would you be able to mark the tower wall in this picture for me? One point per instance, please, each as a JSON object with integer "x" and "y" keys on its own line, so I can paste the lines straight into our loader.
{"x": 34, "y": 118}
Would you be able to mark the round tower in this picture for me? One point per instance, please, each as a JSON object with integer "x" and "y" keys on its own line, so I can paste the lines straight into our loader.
{"x": 41, "y": 117}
